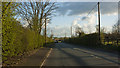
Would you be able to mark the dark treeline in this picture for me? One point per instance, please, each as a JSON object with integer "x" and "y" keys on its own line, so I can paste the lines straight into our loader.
{"x": 16, "y": 39}
{"x": 114, "y": 36}
{"x": 110, "y": 41}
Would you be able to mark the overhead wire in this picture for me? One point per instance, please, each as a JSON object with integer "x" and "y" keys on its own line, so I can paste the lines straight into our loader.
{"x": 92, "y": 9}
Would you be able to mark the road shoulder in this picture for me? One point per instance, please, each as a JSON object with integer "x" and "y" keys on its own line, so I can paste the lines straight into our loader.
{"x": 35, "y": 59}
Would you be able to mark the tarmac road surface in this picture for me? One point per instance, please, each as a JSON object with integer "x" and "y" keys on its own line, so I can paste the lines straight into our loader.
{"x": 70, "y": 55}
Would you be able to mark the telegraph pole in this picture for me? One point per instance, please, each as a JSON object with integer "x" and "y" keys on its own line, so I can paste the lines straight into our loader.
{"x": 65, "y": 36}
{"x": 99, "y": 20}
{"x": 118, "y": 18}
{"x": 45, "y": 28}
{"x": 51, "y": 32}
{"x": 71, "y": 31}
{"x": 118, "y": 27}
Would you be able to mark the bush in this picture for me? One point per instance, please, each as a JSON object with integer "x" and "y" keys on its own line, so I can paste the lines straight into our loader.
{"x": 88, "y": 40}
{"x": 16, "y": 39}
{"x": 92, "y": 40}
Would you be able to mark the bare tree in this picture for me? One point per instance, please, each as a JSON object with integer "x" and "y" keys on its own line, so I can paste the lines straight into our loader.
{"x": 116, "y": 28}
{"x": 97, "y": 28}
{"x": 34, "y": 13}
{"x": 103, "y": 30}
{"x": 79, "y": 31}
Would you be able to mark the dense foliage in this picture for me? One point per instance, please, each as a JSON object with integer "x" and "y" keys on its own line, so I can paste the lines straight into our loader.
{"x": 88, "y": 39}
{"x": 92, "y": 41}
{"x": 15, "y": 38}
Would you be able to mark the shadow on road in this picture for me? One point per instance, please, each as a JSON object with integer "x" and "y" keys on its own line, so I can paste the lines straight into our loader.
{"x": 77, "y": 59}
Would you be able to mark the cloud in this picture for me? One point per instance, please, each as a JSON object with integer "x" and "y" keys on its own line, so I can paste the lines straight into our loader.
{"x": 90, "y": 24}
{"x": 60, "y": 31}
{"x": 78, "y": 8}
{"x": 81, "y": 9}
{"x": 108, "y": 29}
{"x": 75, "y": 22}
{"x": 84, "y": 18}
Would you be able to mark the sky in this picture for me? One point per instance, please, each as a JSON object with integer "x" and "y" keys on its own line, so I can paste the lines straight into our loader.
{"x": 77, "y": 14}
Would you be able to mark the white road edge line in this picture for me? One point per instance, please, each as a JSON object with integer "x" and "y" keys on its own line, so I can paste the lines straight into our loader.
{"x": 46, "y": 58}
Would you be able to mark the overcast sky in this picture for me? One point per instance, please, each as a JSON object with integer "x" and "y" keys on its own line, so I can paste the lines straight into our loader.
{"x": 75, "y": 14}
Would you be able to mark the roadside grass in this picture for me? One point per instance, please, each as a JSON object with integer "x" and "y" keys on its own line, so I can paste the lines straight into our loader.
{"x": 49, "y": 45}
{"x": 112, "y": 43}
{"x": 111, "y": 46}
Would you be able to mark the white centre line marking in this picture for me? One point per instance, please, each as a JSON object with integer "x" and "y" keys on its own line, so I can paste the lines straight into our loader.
{"x": 46, "y": 58}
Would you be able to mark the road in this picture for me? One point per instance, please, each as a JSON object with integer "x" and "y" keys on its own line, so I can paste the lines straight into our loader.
{"x": 70, "y": 55}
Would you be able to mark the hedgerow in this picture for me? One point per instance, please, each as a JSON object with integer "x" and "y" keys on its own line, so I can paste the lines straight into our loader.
{"x": 17, "y": 39}
{"x": 88, "y": 40}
